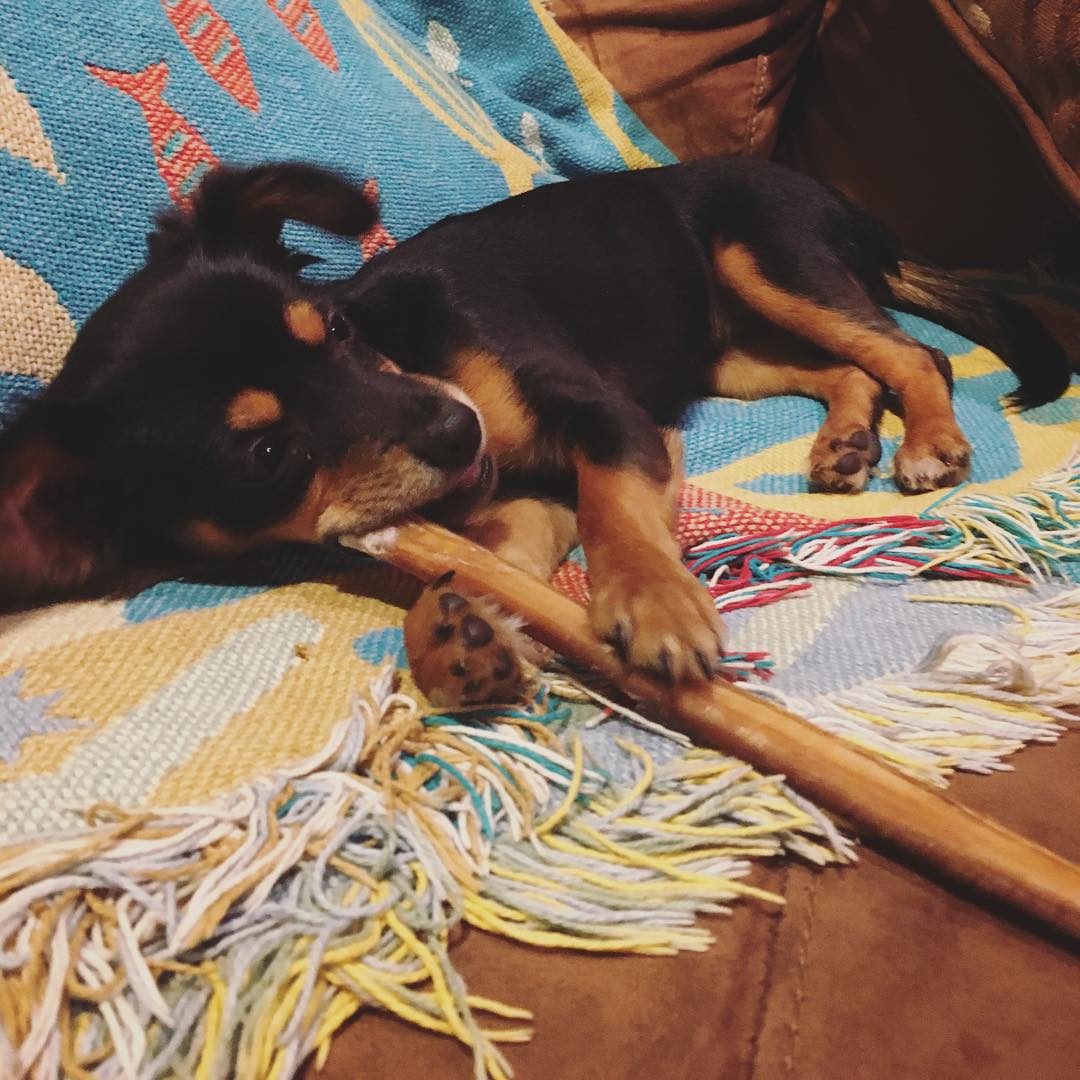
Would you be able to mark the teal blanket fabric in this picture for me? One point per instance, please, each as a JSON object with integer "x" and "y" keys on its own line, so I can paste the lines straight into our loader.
{"x": 110, "y": 110}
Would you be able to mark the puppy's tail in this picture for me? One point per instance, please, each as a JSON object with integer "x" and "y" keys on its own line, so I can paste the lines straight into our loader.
{"x": 244, "y": 209}
{"x": 1003, "y": 325}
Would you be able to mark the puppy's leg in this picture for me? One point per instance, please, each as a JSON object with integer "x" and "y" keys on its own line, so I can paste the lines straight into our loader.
{"x": 532, "y": 534}
{"x": 463, "y": 648}
{"x": 821, "y": 301}
{"x": 673, "y": 444}
{"x": 644, "y": 601}
{"x": 847, "y": 446}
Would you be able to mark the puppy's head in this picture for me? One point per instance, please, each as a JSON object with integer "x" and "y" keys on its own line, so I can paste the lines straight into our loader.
{"x": 217, "y": 403}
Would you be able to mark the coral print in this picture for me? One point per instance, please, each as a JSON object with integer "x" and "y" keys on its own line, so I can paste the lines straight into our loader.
{"x": 302, "y": 21}
{"x": 182, "y": 155}
{"x": 212, "y": 42}
{"x": 377, "y": 238}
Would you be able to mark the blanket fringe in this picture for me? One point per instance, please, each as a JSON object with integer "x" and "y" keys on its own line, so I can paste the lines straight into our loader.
{"x": 1015, "y": 540}
{"x": 233, "y": 939}
{"x": 975, "y": 699}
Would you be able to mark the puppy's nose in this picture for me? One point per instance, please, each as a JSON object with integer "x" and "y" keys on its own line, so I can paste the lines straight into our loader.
{"x": 450, "y": 437}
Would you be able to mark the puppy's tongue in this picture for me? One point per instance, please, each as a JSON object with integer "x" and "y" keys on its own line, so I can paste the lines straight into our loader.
{"x": 472, "y": 489}
{"x": 473, "y": 473}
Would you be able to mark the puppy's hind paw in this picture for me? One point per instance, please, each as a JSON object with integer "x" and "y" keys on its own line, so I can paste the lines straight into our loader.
{"x": 842, "y": 463}
{"x": 931, "y": 460}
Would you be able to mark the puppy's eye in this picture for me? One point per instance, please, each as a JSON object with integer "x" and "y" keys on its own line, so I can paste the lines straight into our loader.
{"x": 340, "y": 330}
{"x": 265, "y": 455}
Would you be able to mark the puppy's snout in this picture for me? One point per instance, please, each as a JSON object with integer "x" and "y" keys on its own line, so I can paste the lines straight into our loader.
{"x": 449, "y": 436}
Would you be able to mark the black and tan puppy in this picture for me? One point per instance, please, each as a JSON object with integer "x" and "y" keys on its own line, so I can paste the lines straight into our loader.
{"x": 219, "y": 402}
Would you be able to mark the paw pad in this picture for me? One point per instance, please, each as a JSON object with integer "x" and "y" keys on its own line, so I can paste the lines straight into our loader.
{"x": 843, "y": 464}
{"x": 462, "y": 649}
{"x": 475, "y": 632}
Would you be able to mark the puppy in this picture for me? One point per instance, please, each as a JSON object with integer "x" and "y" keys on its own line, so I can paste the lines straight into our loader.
{"x": 544, "y": 347}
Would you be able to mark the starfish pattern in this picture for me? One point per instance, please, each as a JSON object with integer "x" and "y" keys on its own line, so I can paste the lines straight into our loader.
{"x": 20, "y": 717}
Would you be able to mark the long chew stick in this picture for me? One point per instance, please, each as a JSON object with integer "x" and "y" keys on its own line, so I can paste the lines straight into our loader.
{"x": 877, "y": 800}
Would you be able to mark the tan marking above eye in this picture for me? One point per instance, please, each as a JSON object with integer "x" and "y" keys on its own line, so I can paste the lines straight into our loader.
{"x": 304, "y": 322}
{"x": 252, "y": 409}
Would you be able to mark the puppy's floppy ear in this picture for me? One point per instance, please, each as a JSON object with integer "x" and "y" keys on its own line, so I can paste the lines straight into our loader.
{"x": 44, "y": 554}
{"x": 243, "y": 210}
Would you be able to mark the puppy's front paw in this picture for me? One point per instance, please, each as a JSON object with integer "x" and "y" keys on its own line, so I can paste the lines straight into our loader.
{"x": 463, "y": 649}
{"x": 935, "y": 458}
{"x": 659, "y": 618}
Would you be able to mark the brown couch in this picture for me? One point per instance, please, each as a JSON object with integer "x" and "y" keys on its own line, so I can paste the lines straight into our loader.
{"x": 960, "y": 125}
{"x": 963, "y": 135}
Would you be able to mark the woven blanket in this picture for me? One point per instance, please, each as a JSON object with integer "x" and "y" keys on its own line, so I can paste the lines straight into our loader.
{"x": 230, "y": 819}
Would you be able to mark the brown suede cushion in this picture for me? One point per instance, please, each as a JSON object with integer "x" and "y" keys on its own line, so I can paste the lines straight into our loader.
{"x": 1030, "y": 50}
{"x": 707, "y": 76}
